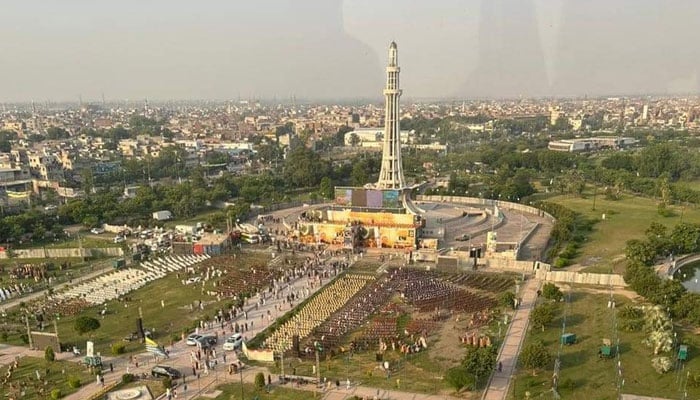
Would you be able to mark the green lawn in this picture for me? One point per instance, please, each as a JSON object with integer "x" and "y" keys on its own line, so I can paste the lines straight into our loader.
{"x": 58, "y": 373}
{"x": 625, "y": 219}
{"x": 233, "y": 392}
{"x": 168, "y": 322}
{"x": 420, "y": 373}
{"x": 583, "y": 375}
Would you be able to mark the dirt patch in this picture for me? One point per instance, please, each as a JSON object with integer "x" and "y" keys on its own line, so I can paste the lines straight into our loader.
{"x": 628, "y": 293}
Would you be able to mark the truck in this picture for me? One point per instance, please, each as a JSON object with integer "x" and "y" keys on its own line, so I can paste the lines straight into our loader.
{"x": 162, "y": 215}
{"x": 119, "y": 263}
{"x": 186, "y": 229}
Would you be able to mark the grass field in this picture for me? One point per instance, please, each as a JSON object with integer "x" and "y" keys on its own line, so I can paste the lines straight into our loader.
{"x": 416, "y": 373}
{"x": 168, "y": 322}
{"x": 233, "y": 392}
{"x": 625, "y": 219}
{"x": 57, "y": 378}
{"x": 583, "y": 375}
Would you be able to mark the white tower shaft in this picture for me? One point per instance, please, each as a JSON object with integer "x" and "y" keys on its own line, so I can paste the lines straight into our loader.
{"x": 391, "y": 174}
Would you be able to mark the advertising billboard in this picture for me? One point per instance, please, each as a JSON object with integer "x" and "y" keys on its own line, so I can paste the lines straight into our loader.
{"x": 343, "y": 196}
{"x": 369, "y": 198}
{"x": 374, "y": 199}
{"x": 370, "y": 218}
{"x": 390, "y": 199}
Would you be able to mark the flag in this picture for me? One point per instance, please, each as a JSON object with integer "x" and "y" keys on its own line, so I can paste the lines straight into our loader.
{"x": 153, "y": 347}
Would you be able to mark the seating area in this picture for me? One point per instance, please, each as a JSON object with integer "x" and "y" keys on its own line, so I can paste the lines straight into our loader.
{"x": 427, "y": 292}
{"x": 381, "y": 327}
{"x": 489, "y": 282}
{"x": 120, "y": 282}
{"x": 317, "y": 310}
{"x": 354, "y": 313}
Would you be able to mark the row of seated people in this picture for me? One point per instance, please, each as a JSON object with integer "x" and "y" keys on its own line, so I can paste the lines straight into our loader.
{"x": 317, "y": 310}
{"x": 355, "y": 312}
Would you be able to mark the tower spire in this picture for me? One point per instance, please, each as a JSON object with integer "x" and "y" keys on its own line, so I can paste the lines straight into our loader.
{"x": 391, "y": 174}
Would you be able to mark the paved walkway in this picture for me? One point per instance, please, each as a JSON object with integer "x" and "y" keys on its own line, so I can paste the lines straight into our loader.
{"x": 180, "y": 353}
{"x": 500, "y": 381}
{"x": 368, "y": 392}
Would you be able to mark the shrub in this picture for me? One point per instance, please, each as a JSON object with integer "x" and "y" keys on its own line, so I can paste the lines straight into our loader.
{"x": 127, "y": 378}
{"x": 458, "y": 378}
{"x": 74, "y": 382}
{"x": 507, "y": 299}
{"x": 49, "y": 354}
{"x": 56, "y": 394}
{"x": 561, "y": 262}
{"x": 259, "y": 380}
{"x": 661, "y": 364}
{"x": 118, "y": 348}
{"x": 552, "y": 292}
{"x": 86, "y": 324}
{"x": 3, "y": 336}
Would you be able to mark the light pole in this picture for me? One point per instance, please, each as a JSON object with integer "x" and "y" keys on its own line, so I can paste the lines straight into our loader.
{"x": 240, "y": 370}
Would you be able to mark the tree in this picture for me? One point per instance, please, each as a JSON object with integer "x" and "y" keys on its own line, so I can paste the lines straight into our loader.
{"x": 535, "y": 356}
{"x": 354, "y": 140}
{"x": 640, "y": 251}
{"x": 542, "y": 315}
{"x": 508, "y": 300}
{"x": 304, "y": 168}
{"x": 56, "y": 133}
{"x": 326, "y": 188}
{"x": 49, "y": 354}
{"x": 259, "y": 380}
{"x": 551, "y": 291}
{"x": 339, "y": 137}
{"x": 86, "y": 324}
{"x": 480, "y": 361}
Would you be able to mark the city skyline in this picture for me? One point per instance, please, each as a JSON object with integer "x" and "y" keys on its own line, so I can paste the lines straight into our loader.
{"x": 330, "y": 50}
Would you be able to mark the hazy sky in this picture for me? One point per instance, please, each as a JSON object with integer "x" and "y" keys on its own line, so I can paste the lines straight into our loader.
{"x": 183, "y": 49}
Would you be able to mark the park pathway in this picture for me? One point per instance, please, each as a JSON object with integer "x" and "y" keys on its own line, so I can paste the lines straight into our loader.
{"x": 180, "y": 353}
{"x": 499, "y": 382}
{"x": 362, "y": 391}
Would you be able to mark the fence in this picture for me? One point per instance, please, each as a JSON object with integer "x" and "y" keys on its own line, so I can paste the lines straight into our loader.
{"x": 64, "y": 253}
{"x": 586, "y": 278}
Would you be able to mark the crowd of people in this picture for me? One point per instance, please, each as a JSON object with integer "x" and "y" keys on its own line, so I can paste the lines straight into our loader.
{"x": 317, "y": 310}
{"x": 493, "y": 283}
{"x": 427, "y": 292}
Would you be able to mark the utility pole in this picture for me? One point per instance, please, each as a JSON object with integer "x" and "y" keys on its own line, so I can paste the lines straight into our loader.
{"x": 29, "y": 332}
{"x": 240, "y": 370}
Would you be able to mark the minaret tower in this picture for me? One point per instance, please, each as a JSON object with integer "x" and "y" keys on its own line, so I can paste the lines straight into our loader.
{"x": 391, "y": 174}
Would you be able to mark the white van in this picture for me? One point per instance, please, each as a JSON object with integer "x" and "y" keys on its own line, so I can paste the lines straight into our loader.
{"x": 233, "y": 342}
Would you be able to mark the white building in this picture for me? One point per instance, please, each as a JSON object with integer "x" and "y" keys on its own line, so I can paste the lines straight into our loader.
{"x": 591, "y": 144}
{"x": 373, "y": 137}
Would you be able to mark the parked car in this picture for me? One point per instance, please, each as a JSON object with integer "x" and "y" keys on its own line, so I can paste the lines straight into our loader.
{"x": 463, "y": 238}
{"x": 207, "y": 341}
{"x": 233, "y": 342}
{"x": 163, "y": 371}
{"x": 119, "y": 239}
{"x": 97, "y": 231}
{"x": 193, "y": 339}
